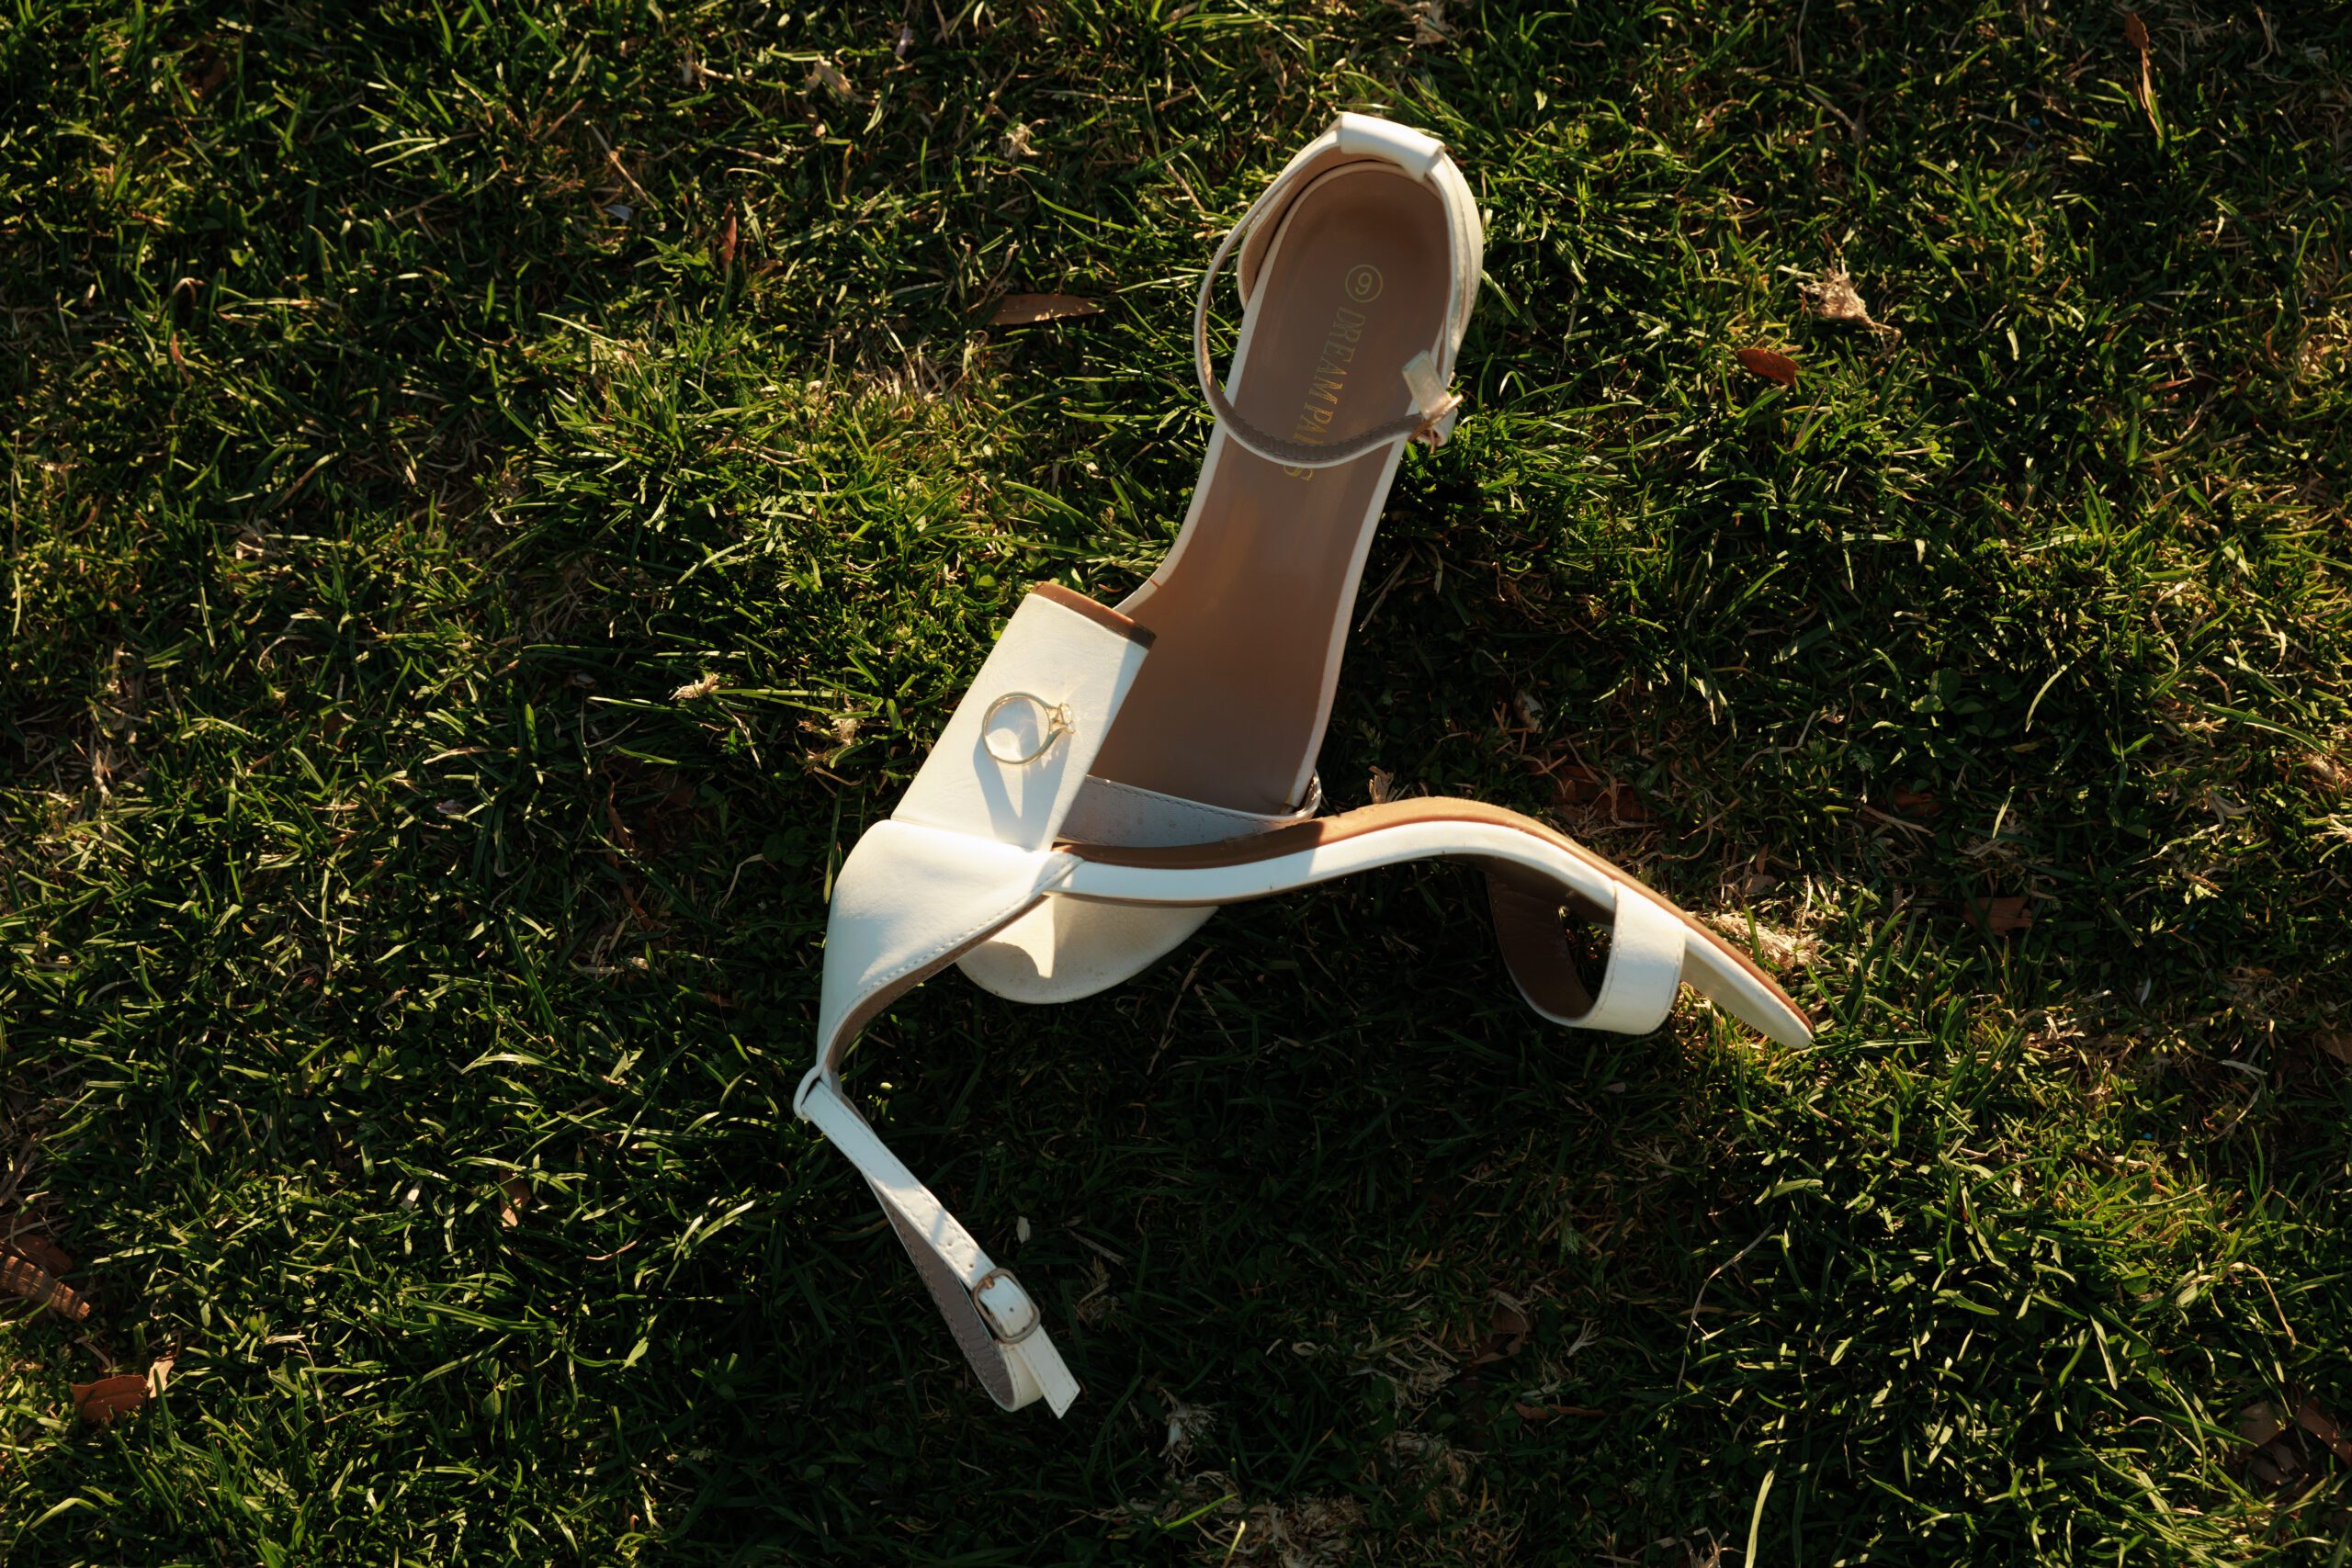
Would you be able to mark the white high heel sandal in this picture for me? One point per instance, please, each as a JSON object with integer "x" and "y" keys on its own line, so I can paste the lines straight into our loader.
{"x": 1359, "y": 269}
{"x": 1108, "y": 782}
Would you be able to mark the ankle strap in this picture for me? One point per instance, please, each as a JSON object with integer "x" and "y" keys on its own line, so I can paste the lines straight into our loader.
{"x": 993, "y": 1320}
{"x": 1360, "y": 137}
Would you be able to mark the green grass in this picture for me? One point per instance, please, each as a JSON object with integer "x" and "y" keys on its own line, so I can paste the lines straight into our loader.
{"x": 391, "y": 428}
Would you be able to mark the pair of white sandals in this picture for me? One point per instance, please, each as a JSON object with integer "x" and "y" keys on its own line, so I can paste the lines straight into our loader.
{"x": 1114, "y": 775}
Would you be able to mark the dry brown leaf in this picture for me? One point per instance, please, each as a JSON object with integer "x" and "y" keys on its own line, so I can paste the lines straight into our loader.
{"x": 36, "y": 1250}
{"x": 2259, "y": 1422}
{"x": 2320, "y": 1425}
{"x": 100, "y": 1402}
{"x": 1014, "y": 143}
{"x": 2337, "y": 1043}
{"x": 1028, "y": 309}
{"x": 1506, "y": 1337}
{"x": 1381, "y": 785}
{"x": 825, "y": 73}
{"x": 727, "y": 243}
{"x": 1998, "y": 917}
{"x": 30, "y": 1283}
{"x": 1429, "y": 22}
{"x": 1771, "y": 364}
{"x": 1835, "y": 298}
{"x": 159, "y": 1374}
{"x": 693, "y": 689}
{"x": 516, "y": 1193}
{"x": 1581, "y": 785}
{"x": 2282, "y": 1456}
{"x": 2135, "y": 33}
{"x": 1915, "y": 803}
{"x": 215, "y": 72}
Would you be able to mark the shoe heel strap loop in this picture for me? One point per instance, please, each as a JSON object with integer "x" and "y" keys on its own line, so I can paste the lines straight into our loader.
{"x": 1369, "y": 136}
{"x": 1434, "y": 407}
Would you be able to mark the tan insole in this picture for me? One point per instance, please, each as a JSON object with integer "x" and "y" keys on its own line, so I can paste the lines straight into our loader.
{"x": 1227, "y": 708}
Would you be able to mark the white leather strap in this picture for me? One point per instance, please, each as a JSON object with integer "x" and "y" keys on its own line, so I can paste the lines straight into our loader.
{"x": 1645, "y": 948}
{"x": 964, "y": 854}
{"x": 1648, "y": 942}
{"x": 991, "y": 1316}
{"x": 1434, "y": 407}
{"x": 1013, "y": 755}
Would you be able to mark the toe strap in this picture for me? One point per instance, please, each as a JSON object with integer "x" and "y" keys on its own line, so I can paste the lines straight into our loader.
{"x": 1646, "y": 942}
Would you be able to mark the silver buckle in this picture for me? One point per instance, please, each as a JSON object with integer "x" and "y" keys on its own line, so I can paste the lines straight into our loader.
{"x": 1004, "y": 1307}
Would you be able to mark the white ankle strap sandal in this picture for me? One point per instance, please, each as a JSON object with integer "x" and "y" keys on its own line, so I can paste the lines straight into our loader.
{"x": 1104, "y": 785}
{"x": 1359, "y": 269}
